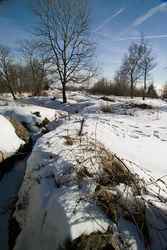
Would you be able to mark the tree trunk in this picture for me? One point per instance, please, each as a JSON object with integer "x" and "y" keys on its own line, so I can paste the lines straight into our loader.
{"x": 12, "y": 91}
{"x": 131, "y": 87}
{"x": 64, "y": 93}
{"x": 145, "y": 85}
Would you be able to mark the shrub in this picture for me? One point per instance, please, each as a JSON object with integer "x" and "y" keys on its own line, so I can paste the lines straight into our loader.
{"x": 151, "y": 92}
{"x": 106, "y": 108}
{"x": 102, "y": 87}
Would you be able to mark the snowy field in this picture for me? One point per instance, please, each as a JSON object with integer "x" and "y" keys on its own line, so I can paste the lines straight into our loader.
{"x": 54, "y": 205}
{"x": 135, "y": 134}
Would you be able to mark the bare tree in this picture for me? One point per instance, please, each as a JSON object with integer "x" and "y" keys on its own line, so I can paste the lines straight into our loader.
{"x": 121, "y": 83}
{"x": 36, "y": 64}
{"x": 6, "y": 68}
{"x": 147, "y": 63}
{"x": 131, "y": 65}
{"x": 164, "y": 91}
{"x": 64, "y": 33}
{"x": 151, "y": 92}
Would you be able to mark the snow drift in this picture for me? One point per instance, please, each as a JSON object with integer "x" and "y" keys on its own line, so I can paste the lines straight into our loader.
{"x": 9, "y": 142}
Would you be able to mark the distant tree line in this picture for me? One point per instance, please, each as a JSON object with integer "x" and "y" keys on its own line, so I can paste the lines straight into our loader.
{"x": 29, "y": 76}
{"x": 62, "y": 48}
{"x": 136, "y": 67}
{"x": 117, "y": 88}
{"x": 164, "y": 91}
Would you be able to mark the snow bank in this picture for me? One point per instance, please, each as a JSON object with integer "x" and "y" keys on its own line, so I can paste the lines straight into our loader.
{"x": 9, "y": 141}
{"x": 52, "y": 207}
{"x": 32, "y": 116}
{"x": 138, "y": 137}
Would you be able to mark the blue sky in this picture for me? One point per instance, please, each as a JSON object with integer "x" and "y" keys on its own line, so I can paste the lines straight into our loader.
{"x": 115, "y": 24}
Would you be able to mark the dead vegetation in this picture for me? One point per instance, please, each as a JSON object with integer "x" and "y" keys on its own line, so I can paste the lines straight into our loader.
{"x": 107, "y": 99}
{"x": 94, "y": 241}
{"x": 68, "y": 140}
{"x": 44, "y": 123}
{"x": 106, "y": 108}
{"x": 117, "y": 189}
{"x": 20, "y": 130}
{"x": 140, "y": 105}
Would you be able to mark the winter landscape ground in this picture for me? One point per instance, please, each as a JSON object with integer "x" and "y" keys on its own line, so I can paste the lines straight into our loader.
{"x": 98, "y": 170}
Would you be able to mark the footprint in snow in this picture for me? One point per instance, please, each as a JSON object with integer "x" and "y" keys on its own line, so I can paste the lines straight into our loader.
{"x": 163, "y": 127}
{"x": 134, "y": 136}
{"x": 156, "y": 134}
{"x": 114, "y": 126}
{"x": 132, "y": 126}
{"x": 141, "y": 133}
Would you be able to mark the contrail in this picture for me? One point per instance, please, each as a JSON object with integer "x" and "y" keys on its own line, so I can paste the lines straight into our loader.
{"x": 149, "y": 14}
{"x": 107, "y": 36}
{"x": 140, "y": 20}
{"x": 138, "y": 38}
{"x": 109, "y": 19}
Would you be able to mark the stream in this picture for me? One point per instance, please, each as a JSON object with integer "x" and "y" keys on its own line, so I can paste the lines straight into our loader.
{"x": 12, "y": 173}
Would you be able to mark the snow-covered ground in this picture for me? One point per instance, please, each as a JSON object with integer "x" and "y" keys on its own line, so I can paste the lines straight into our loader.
{"x": 52, "y": 204}
{"x": 31, "y": 115}
{"x": 137, "y": 135}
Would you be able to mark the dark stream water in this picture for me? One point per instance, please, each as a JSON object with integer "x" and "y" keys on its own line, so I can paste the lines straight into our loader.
{"x": 10, "y": 183}
{"x": 12, "y": 173}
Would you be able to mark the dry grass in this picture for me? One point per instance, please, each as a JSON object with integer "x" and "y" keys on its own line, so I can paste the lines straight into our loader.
{"x": 89, "y": 156}
{"x": 94, "y": 241}
{"x": 115, "y": 203}
{"x": 20, "y": 130}
{"x": 107, "y": 99}
{"x": 44, "y": 123}
{"x": 107, "y": 201}
{"x": 83, "y": 172}
{"x": 114, "y": 206}
{"x": 68, "y": 140}
{"x": 106, "y": 108}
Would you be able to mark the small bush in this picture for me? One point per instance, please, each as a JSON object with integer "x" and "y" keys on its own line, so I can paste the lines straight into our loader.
{"x": 45, "y": 122}
{"x": 94, "y": 241}
{"x": 141, "y": 106}
{"x": 107, "y": 99}
{"x": 20, "y": 130}
{"x": 68, "y": 140}
{"x": 106, "y": 108}
{"x": 37, "y": 113}
{"x": 102, "y": 87}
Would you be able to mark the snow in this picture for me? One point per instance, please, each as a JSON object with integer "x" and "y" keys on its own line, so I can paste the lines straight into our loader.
{"x": 9, "y": 142}
{"x": 137, "y": 136}
{"x": 133, "y": 138}
{"x": 31, "y": 115}
{"x": 54, "y": 203}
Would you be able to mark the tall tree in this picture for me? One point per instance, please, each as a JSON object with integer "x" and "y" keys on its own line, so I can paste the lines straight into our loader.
{"x": 164, "y": 91}
{"x": 36, "y": 64}
{"x": 131, "y": 65}
{"x": 151, "y": 92}
{"x": 121, "y": 83}
{"x": 6, "y": 68}
{"x": 147, "y": 63}
{"x": 63, "y": 31}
